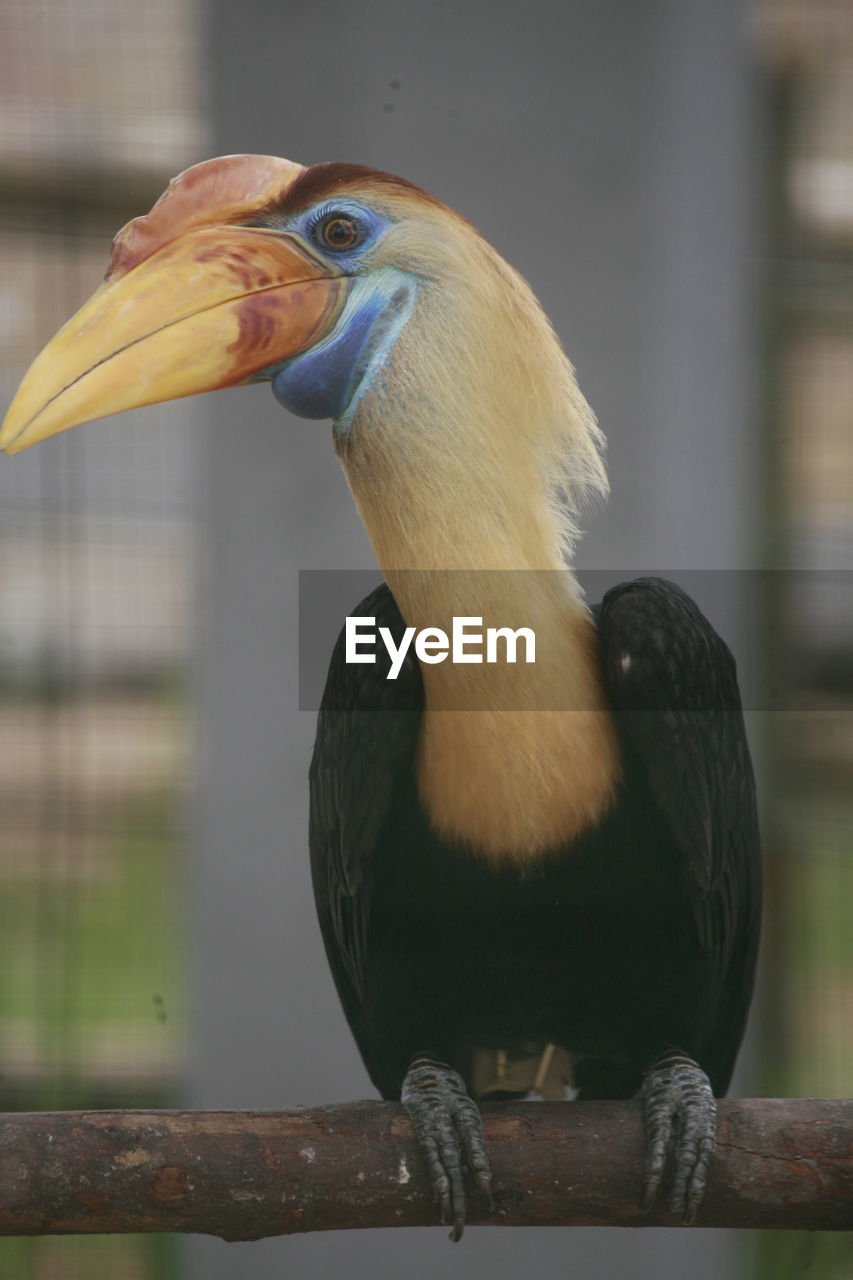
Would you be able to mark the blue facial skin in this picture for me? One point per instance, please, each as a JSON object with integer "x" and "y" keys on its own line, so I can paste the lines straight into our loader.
{"x": 330, "y": 379}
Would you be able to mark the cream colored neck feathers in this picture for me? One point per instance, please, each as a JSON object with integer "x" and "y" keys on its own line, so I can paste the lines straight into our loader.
{"x": 458, "y": 459}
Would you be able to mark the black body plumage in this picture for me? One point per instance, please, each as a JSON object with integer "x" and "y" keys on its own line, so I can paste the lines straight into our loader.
{"x": 636, "y": 939}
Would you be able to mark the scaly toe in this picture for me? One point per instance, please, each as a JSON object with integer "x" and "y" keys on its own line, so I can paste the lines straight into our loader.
{"x": 449, "y": 1127}
{"x": 681, "y": 1120}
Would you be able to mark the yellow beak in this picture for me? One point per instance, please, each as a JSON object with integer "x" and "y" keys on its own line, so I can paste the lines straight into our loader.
{"x": 212, "y": 308}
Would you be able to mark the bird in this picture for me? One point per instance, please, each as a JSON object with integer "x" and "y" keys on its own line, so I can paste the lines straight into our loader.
{"x": 535, "y": 878}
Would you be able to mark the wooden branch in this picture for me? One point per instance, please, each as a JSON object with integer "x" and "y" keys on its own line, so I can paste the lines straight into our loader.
{"x": 243, "y": 1175}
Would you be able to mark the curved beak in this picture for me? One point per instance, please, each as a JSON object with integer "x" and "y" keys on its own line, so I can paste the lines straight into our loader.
{"x": 214, "y": 307}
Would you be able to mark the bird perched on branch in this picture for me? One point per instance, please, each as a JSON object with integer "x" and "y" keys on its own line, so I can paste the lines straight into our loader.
{"x": 529, "y": 876}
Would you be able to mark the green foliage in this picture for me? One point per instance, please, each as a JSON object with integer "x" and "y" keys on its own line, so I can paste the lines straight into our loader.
{"x": 91, "y": 998}
{"x": 811, "y": 1054}
{"x": 91, "y": 1258}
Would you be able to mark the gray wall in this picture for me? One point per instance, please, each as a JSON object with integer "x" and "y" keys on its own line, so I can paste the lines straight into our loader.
{"x": 603, "y": 147}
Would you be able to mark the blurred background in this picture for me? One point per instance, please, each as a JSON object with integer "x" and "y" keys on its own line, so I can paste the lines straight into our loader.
{"x": 676, "y": 181}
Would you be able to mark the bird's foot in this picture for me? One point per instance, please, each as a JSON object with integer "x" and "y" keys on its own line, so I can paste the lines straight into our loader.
{"x": 449, "y": 1128}
{"x": 680, "y": 1116}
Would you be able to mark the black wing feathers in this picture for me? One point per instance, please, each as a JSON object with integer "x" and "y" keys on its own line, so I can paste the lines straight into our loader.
{"x": 673, "y": 688}
{"x": 366, "y": 734}
{"x": 673, "y": 684}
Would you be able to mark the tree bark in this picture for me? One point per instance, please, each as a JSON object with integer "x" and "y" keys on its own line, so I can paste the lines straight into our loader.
{"x": 242, "y": 1175}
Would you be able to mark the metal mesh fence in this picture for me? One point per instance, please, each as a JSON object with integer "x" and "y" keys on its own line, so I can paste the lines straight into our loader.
{"x": 100, "y": 105}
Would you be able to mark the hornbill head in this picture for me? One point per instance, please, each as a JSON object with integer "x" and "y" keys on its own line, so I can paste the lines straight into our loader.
{"x": 343, "y": 286}
{"x": 247, "y": 268}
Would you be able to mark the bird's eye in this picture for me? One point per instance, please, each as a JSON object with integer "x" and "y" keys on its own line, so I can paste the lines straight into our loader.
{"x": 339, "y": 232}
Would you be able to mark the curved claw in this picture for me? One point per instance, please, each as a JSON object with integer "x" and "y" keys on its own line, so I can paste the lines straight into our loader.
{"x": 680, "y": 1116}
{"x": 449, "y": 1127}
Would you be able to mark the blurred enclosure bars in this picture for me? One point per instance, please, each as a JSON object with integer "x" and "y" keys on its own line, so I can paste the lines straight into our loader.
{"x": 101, "y": 101}
{"x": 807, "y": 1024}
{"x": 100, "y": 105}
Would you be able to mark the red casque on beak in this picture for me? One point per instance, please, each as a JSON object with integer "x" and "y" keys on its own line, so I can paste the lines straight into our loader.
{"x": 192, "y": 301}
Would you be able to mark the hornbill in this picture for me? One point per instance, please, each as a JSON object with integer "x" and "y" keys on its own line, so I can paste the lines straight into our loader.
{"x": 528, "y": 876}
